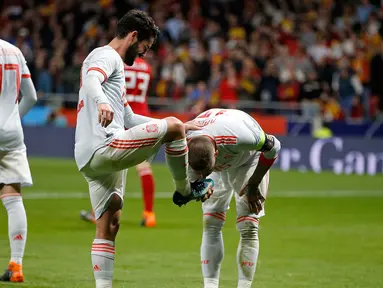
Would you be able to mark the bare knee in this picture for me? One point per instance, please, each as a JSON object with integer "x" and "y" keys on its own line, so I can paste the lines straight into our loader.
{"x": 10, "y": 189}
{"x": 175, "y": 131}
{"x": 108, "y": 224}
{"x": 115, "y": 203}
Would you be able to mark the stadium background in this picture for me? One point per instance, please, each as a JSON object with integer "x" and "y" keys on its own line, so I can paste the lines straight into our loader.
{"x": 308, "y": 71}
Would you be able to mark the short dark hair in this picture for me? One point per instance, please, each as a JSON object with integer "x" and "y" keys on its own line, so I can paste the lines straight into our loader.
{"x": 201, "y": 153}
{"x": 140, "y": 21}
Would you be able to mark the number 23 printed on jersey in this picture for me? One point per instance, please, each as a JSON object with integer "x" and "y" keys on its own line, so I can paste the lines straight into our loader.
{"x": 137, "y": 85}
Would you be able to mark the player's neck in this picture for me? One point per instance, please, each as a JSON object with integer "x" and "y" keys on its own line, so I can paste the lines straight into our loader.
{"x": 119, "y": 46}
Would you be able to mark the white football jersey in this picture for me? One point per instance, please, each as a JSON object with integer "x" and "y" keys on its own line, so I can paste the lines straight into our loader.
{"x": 238, "y": 136}
{"x": 13, "y": 68}
{"x": 90, "y": 135}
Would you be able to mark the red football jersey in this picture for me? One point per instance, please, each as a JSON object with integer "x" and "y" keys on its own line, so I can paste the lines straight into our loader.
{"x": 137, "y": 79}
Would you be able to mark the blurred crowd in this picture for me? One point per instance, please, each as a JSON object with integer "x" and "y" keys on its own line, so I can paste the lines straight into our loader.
{"x": 326, "y": 55}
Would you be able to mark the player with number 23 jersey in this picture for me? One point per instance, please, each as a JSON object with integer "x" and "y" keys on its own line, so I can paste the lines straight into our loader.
{"x": 137, "y": 81}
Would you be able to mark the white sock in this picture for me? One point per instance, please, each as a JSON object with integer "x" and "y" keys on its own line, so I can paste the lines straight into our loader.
{"x": 248, "y": 249}
{"x": 212, "y": 249}
{"x": 102, "y": 283}
{"x": 103, "y": 262}
{"x": 17, "y": 226}
{"x": 176, "y": 154}
{"x": 244, "y": 284}
{"x": 210, "y": 283}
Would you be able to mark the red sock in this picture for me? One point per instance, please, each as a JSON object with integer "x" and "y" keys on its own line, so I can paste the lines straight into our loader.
{"x": 147, "y": 184}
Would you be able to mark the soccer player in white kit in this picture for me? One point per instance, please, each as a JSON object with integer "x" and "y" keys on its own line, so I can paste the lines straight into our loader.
{"x": 14, "y": 168}
{"x": 104, "y": 149}
{"x": 233, "y": 150}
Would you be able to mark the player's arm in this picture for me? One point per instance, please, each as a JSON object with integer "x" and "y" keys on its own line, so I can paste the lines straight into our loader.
{"x": 269, "y": 146}
{"x": 132, "y": 119}
{"x": 27, "y": 90}
{"x": 270, "y": 150}
{"x": 97, "y": 73}
{"x": 29, "y": 94}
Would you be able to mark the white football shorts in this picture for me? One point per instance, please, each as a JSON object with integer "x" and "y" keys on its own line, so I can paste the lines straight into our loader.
{"x": 106, "y": 171}
{"x": 230, "y": 182}
{"x": 14, "y": 168}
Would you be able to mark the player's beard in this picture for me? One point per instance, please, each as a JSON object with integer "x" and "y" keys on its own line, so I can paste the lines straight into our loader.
{"x": 131, "y": 54}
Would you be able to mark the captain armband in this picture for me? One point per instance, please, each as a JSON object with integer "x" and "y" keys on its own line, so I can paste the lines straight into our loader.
{"x": 270, "y": 148}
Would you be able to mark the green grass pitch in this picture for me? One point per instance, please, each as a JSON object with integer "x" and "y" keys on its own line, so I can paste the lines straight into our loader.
{"x": 320, "y": 231}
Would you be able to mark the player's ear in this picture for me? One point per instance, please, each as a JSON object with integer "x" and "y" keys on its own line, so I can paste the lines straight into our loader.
{"x": 216, "y": 153}
{"x": 134, "y": 36}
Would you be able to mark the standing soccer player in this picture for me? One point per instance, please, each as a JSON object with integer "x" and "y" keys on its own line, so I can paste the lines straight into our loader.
{"x": 137, "y": 79}
{"x": 233, "y": 150}
{"x": 104, "y": 149}
{"x": 14, "y": 167}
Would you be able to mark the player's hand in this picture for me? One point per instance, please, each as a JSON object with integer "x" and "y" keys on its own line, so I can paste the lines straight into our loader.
{"x": 191, "y": 126}
{"x": 207, "y": 195}
{"x": 105, "y": 114}
{"x": 180, "y": 200}
{"x": 254, "y": 197}
{"x": 198, "y": 192}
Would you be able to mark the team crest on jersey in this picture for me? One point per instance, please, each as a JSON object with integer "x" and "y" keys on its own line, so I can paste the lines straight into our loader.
{"x": 152, "y": 128}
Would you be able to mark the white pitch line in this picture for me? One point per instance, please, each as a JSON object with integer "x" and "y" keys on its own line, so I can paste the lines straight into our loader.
{"x": 168, "y": 195}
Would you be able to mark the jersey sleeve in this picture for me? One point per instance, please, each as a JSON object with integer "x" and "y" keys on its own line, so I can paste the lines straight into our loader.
{"x": 251, "y": 136}
{"x": 99, "y": 68}
{"x": 27, "y": 88}
{"x": 25, "y": 73}
{"x": 103, "y": 63}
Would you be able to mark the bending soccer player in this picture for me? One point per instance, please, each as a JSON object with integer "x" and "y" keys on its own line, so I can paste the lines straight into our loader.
{"x": 14, "y": 168}
{"x": 137, "y": 79}
{"x": 233, "y": 150}
{"x": 104, "y": 149}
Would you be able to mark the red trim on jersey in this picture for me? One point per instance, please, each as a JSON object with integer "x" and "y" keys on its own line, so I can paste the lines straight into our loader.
{"x": 226, "y": 140}
{"x": 26, "y": 76}
{"x": 265, "y": 161}
{"x": 132, "y": 144}
{"x": 10, "y": 66}
{"x": 98, "y": 70}
{"x": 18, "y": 80}
{"x": 226, "y": 137}
{"x": 129, "y": 147}
{"x": 135, "y": 140}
